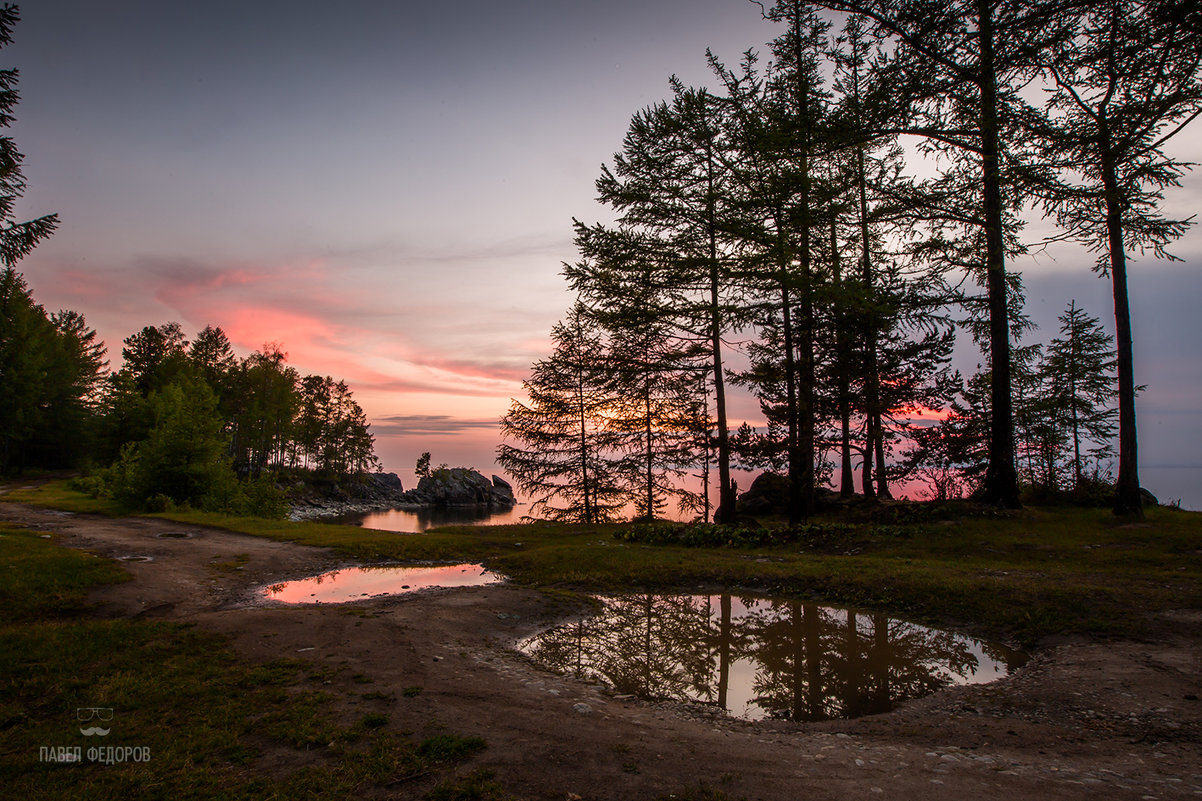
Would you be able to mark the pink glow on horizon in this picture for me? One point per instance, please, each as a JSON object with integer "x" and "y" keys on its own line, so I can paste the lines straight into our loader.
{"x": 924, "y": 413}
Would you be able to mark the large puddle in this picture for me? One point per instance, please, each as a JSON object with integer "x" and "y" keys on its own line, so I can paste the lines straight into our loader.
{"x": 763, "y": 658}
{"x": 356, "y": 583}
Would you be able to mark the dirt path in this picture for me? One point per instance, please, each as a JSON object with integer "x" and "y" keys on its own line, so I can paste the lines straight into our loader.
{"x": 1082, "y": 720}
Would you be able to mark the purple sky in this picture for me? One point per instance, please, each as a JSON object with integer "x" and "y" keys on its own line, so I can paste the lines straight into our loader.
{"x": 387, "y": 189}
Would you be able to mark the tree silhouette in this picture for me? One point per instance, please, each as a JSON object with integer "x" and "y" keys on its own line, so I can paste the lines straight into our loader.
{"x": 1123, "y": 84}
{"x": 564, "y": 464}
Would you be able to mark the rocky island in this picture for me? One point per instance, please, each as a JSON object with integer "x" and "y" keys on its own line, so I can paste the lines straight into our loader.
{"x": 441, "y": 488}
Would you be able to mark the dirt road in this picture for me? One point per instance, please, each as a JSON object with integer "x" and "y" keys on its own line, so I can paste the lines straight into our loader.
{"x": 1082, "y": 720}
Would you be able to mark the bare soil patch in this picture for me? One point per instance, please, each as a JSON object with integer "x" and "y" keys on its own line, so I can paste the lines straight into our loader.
{"x": 1084, "y": 719}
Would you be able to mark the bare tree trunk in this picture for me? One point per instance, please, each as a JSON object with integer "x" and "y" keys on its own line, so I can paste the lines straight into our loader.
{"x": 872, "y": 376}
{"x": 725, "y": 512}
{"x": 1001, "y": 478}
{"x": 1127, "y": 497}
{"x": 846, "y": 477}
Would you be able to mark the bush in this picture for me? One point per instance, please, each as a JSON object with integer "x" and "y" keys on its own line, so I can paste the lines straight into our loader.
{"x": 262, "y": 498}
{"x": 92, "y": 486}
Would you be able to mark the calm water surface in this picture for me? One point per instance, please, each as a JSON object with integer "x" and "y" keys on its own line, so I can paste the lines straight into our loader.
{"x": 763, "y": 658}
{"x": 415, "y": 521}
{"x": 354, "y": 583}
{"x": 1170, "y": 484}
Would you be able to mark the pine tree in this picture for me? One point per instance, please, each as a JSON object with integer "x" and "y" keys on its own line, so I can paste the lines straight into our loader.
{"x": 17, "y": 239}
{"x": 649, "y": 375}
{"x": 51, "y": 372}
{"x": 1124, "y": 83}
{"x": 669, "y": 186}
{"x": 777, "y": 132}
{"x": 966, "y": 60}
{"x": 562, "y": 459}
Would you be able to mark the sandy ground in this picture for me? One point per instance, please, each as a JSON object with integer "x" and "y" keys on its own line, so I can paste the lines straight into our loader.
{"x": 1082, "y": 720}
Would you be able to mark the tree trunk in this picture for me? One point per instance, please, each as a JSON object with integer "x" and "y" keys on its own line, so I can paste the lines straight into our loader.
{"x": 1127, "y": 496}
{"x": 1001, "y": 478}
{"x": 846, "y": 477}
{"x": 803, "y": 494}
{"x": 872, "y": 377}
{"x": 725, "y": 512}
{"x": 882, "y": 480}
{"x": 650, "y": 455}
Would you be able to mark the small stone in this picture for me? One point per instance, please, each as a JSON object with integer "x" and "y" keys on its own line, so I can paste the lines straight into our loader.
{"x": 582, "y": 709}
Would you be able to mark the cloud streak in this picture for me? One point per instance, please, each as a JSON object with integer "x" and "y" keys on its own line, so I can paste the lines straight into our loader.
{"x": 429, "y": 425}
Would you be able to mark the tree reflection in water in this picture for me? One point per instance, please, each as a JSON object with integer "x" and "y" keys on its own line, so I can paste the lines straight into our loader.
{"x": 764, "y": 658}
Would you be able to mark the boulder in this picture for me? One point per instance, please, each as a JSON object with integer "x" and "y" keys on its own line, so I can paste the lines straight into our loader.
{"x": 502, "y": 488}
{"x": 768, "y": 494}
{"x": 460, "y": 486}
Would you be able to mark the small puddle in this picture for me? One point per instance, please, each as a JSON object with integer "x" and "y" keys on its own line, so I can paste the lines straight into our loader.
{"x": 355, "y": 583}
{"x": 759, "y": 658}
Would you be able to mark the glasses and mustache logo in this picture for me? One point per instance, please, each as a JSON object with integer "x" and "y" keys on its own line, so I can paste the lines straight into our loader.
{"x": 101, "y": 714}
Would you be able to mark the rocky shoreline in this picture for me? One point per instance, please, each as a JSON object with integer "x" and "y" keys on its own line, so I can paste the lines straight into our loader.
{"x": 372, "y": 492}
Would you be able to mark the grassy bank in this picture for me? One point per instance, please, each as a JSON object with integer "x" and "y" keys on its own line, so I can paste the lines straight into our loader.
{"x": 1036, "y": 573}
{"x": 187, "y": 719}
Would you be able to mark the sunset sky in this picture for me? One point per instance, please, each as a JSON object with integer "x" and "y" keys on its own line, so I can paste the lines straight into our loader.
{"x": 387, "y": 190}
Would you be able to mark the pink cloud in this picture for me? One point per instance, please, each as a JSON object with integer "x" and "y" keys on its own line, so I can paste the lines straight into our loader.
{"x": 250, "y": 327}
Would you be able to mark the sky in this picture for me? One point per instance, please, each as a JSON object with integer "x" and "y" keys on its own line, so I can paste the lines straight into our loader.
{"x": 386, "y": 189}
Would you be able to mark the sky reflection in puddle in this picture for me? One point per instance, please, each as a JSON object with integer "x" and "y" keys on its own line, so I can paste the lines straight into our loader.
{"x": 355, "y": 583}
{"x": 762, "y": 658}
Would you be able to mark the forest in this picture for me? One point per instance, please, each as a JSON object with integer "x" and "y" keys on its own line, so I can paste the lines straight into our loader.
{"x": 821, "y": 227}
{"x": 180, "y": 423}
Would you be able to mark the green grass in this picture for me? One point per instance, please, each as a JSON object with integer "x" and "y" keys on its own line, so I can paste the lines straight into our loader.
{"x": 213, "y": 724}
{"x": 54, "y": 494}
{"x": 1020, "y": 577}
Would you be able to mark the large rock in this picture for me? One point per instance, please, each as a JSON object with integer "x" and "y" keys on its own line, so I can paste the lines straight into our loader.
{"x": 502, "y": 488}
{"x": 768, "y": 494}
{"x": 460, "y": 486}
{"x": 316, "y": 495}
{"x": 380, "y": 486}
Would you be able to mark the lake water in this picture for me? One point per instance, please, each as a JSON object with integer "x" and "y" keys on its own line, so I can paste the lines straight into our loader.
{"x": 356, "y": 583}
{"x": 761, "y": 658}
{"x": 415, "y": 521}
{"x": 1171, "y": 484}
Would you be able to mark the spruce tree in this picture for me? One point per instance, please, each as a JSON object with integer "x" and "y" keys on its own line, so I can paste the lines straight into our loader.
{"x": 1079, "y": 374}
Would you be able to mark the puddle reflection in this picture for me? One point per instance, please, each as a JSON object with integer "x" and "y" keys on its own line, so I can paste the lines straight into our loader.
{"x": 354, "y": 583}
{"x": 763, "y": 658}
